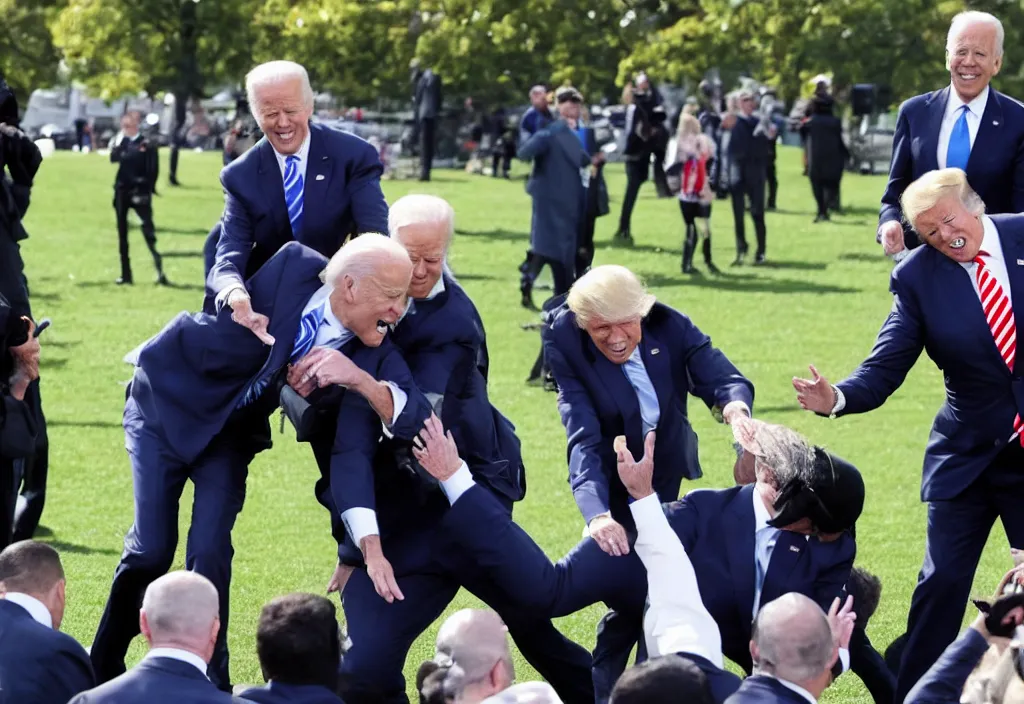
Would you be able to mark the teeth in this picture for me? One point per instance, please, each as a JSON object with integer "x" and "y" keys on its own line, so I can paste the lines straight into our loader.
{"x": 382, "y": 327}
{"x": 957, "y": 243}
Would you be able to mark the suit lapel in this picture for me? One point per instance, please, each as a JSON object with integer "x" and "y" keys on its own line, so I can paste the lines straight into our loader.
{"x": 740, "y": 550}
{"x": 930, "y": 142}
{"x": 318, "y": 179}
{"x": 960, "y": 296}
{"x": 989, "y": 133}
{"x": 615, "y": 380}
{"x": 1012, "y": 241}
{"x": 273, "y": 187}
{"x": 789, "y": 549}
{"x": 659, "y": 368}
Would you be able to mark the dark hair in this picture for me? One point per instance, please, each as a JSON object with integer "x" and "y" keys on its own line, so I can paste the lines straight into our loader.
{"x": 298, "y": 641}
{"x": 30, "y": 567}
{"x": 668, "y": 679}
{"x": 437, "y": 683}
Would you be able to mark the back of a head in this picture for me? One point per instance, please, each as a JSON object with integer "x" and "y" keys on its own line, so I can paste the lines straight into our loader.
{"x": 181, "y": 608}
{"x": 30, "y": 567}
{"x": 298, "y": 641}
{"x": 793, "y": 639}
{"x": 475, "y": 640}
{"x": 667, "y": 680}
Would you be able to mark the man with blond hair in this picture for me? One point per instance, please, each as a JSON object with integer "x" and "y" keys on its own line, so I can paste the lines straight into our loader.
{"x": 204, "y": 388}
{"x": 945, "y": 128}
{"x": 302, "y": 181}
{"x": 956, "y": 300}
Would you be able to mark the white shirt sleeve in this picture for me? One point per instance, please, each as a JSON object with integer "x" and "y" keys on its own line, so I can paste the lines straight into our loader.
{"x": 458, "y": 484}
{"x": 736, "y": 404}
{"x": 844, "y": 657}
{"x": 360, "y": 522}
{"x": 840, "y": 401}
{"x": 225, "y": 293}
{"x": 676, "y": 620}
{"x": 398, "y": 399}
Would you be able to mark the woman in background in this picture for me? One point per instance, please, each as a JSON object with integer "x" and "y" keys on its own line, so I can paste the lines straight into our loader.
{"x": 693, "y": 149}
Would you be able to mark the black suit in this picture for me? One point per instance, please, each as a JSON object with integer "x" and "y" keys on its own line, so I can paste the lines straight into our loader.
{"x": 426, "y": 110}
{"x": 138, "y": 168}
{"x": 748, "y": 160}
{"x": 761, "y": 689}
{"x": 158, "y": 681}
{"x": 39, "y": 665}
{"x": 826, "y": 158}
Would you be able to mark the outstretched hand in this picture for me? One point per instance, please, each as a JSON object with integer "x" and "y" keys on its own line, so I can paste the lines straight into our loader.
{"x": 841, "y": 621}
{"x": 638, "y": 477}
{"x": 815, "y": 394}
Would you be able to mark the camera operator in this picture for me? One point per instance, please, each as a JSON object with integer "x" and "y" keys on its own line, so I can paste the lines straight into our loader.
{"x": 19, "y": 161}
{"x": 133, "y": 190}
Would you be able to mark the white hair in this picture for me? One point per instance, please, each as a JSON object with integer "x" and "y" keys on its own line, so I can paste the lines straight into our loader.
{"x": 965, "y": 19}
{"x": 924, "y": 194}
{"x": 793, "y": 639}
{"x": 181, "y": 607}
{"x": 276, "y": 72}
{"x": 474, "y": 640}
{"x": 420, "y": 208}
{"x": 366, "y": 254}
{"x": 611, "y": 293}
{"x": 784, "y": 453}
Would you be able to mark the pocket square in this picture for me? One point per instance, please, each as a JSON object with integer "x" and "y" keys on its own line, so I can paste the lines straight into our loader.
{"x": 794, "y": 548}
{"x": 1020, "y": 262}
{"x": 319, "y": 177}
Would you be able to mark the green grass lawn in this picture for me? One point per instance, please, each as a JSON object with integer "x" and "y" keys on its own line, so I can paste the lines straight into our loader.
{"x": 821, "y": 301}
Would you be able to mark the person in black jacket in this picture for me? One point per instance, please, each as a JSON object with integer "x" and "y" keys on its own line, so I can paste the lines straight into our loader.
{"x": 826, "y": 155}
{"x": 748, "y": 159}
{"x": 133, "y": 190}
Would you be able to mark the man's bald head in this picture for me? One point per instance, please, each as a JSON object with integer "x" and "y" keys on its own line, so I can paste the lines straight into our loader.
{"x": 792, "y": 640}
{"x": 476, "y": 641}
{"x": 181, "y": 610}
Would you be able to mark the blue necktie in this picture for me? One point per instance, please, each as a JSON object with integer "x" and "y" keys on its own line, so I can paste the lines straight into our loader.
{"x": 304, "y": 340}
{"x": 959, "y": 150}
{"x": 646, "y": 396}
{"x": 293, "y": 193}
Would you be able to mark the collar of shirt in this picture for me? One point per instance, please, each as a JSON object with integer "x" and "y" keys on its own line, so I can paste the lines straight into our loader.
{"x": 990, "y": 244}
{"x": 976, "y": 106}
{"x": 434, "y": 292}
{"x": 796, "y": 688}
{"x": 303, "y": 154}
{"x": 331, "y": 330}
{"x": 180, "y": 655}
{"x": 36, "y": 609}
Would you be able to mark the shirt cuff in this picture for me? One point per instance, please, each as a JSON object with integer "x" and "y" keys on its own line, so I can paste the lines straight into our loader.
{"x": 398, "y": 399}
{"x": 360, "y": 522}
{"x": 458, "y": 484}
{"x": 844, "y": 657}
{"x": 735, "y": 404}
{"x": 840, "y": 401}
{"x": 646, "y": 512}
{"x": 225, "y": 293}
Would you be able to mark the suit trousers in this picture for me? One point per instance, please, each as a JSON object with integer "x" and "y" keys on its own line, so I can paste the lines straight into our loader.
{"x": 747, "y": 182}
{"x": 428, "y": 137}
{"x": 36, "y": 468}
{"x": 158, "y": 478}
{"x": 958, "y": 529}
{"x": 125, "y": 200}
{"x": 636, "y": 174}
{"x": 826, "y": 194}
{"x": 773, "y": 182}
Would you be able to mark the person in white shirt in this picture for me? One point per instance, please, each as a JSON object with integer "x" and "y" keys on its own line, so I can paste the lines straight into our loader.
{"x": 180, "y": 621}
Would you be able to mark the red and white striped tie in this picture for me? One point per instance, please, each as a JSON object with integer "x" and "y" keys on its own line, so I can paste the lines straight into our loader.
{"x": 999, "y": 314}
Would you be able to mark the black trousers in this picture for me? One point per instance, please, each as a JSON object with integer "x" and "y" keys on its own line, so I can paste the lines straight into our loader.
{"x": 125, "y": 200}
{"x": 773, "y": 182}
{"x": 505, "y": 159}
{"x": 35, "y": 470}
{"x": 660, "y": 180}
{"x": 826, "y": 195}
{"x": 691, "y": 213}
{"x": 428, "y": 135}
{"x": 10, "y": 480}
{"x": 636, "y": 174}
{"x": 747, "y": 183}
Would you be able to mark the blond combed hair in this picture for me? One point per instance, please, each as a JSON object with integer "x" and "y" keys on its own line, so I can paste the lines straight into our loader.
{"x": 689, "y": 126}
{"x": 924, "y": 193}
{"x": 610, "y": 293}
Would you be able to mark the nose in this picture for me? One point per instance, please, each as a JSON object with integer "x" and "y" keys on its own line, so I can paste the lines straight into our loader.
{"x": 419, "y": 270}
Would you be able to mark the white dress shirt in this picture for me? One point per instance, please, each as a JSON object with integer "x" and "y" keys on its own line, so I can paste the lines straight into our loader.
{"x": 996, "y": 263}
{"x": 36, "y": 609}
{"x": 180, "y": 655}
{"x": 975, "y": 109}
{"x": 676, "y": 620}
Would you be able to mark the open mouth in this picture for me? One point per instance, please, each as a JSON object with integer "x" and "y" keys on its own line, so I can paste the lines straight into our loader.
{"x": 958, "y": 243}
{"x": 382, "y": 327}
{"x": 285, "y": 136}
{"x": 967, "y": 76}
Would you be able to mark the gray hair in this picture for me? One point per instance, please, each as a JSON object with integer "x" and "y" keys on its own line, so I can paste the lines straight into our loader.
{"x": 537, "y": 90}
{"x": 793, "y": 639}
{"x": 784, "y": 455}
{"x": 611, "y": 293}
{"x": 363, "y": 256}
{"x": 923, "y": 194}
{"x": 181, "y": 607}
{"x": 474, "y": 640}
{"x": 420, "y": 208}
{"x": 276, "y": 72}
{"x": 965, "y": 19}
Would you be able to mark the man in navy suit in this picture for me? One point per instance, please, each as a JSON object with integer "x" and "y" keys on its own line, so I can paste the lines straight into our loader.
{"x": 204, "y": 387}
{"x": 179, "y": 621}
{"x": 299, "y": 645}
{"x": 387, "y": 505}
{"x": 967, "y": 125}
{"x": 38, "y": 663}
{"x": 625, "y": 365}
{"x": 954, "y": 299}
{"x": 302, "y": 182}
{"x": 761, "y": 530}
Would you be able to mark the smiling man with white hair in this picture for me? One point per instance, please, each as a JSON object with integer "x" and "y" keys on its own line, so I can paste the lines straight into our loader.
{"x": 943, "y": 129}
{"x": 302, "y": 181}
{"x": 204, "y": 388}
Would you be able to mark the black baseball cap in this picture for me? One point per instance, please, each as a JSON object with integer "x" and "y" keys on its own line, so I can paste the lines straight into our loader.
{"x": 833, "y": 501}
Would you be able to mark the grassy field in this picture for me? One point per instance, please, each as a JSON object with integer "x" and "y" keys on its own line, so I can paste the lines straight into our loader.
{"x": 820, "y": 301}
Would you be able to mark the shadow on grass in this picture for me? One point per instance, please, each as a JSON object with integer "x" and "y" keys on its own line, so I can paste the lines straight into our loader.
{"x": 73, "y": 548}
{"x": 182, "y": 255}
{"x": 474, "y": 277}
{"x": 60, "y": 344}
{"x": 47, "y": 297}
{"x": 52, "y": 363}
{"x": 862, "y": 257}
{"x": 498, "y": 234}
{"x": 58, "y": 423}
{"x": 799, "y": 266}
{"x": 744, "y": 283}
{"x": 183, "y": 231}
{"x": 791, "y": 408}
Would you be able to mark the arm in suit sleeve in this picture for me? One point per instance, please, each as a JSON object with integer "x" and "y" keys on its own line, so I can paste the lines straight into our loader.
{"x": 944, "y": 682}
{"x": 897, "y": 347}
{"x": 355, "y": 443}
{"x": 712, "y": 377}
{"x": 901, "y": 171}
{"x": 75, "y": 671}
{"x": 369, "y": 209}
{"x": 234, "y": 246}
{"x": 537, "y": 144}
{"x": 433, "y": 368}
{"x": 583, "y": 429}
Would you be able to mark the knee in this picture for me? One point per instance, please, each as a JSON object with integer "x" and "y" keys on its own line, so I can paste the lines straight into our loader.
{"x": 210, "y": 546}
{"x": 150, "y": 554}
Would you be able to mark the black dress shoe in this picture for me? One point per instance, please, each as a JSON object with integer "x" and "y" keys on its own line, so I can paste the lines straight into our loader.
{"x": 759, "y": 260}
{"x": 161, "y": 280}
{"x": 623, "y": 237}
{"x": 527, "y": 301}
{"x": 738, "y": 261}
{"x": 123, "y": 280}
{"x": 712, "y": 268}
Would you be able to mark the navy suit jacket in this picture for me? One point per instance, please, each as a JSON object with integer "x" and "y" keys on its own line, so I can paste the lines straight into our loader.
{"x": 944, "y": 682}
{"x": 39, "y": 665}
{"x": 995, "y": 168}
{"x": 341, "y": 197}
{"x": 190, "y": 377}
{"x": 281, "y": 693}
{"x": 716, "y": 526}
{"x": 597, "y": 403}
{"x": 157, "y": 681}
{"x": 760, "y": 689}
{"x": 444, "y": 344}
{"x": 936, "y": 309}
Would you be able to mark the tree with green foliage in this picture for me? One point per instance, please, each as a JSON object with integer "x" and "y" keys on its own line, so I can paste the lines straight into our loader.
{"x": 28, "y": 58}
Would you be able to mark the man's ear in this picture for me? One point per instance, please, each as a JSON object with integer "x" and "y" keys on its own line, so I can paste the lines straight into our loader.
{"x": 144, "y": 626}
{"x": 755, "y": 654}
